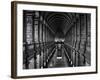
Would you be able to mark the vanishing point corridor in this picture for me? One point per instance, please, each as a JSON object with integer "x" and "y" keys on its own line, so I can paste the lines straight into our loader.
{"x": 56, "y": 39}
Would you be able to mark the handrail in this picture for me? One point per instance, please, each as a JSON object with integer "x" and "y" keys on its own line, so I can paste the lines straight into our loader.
{"x": 36, "y": 50}
{"x": 76, "y": 52}
{"x": 47, "y": 45}
{"x": 69, "y": 46}
{"x": 49, "y": 57}
{"x": 67, "y": 54}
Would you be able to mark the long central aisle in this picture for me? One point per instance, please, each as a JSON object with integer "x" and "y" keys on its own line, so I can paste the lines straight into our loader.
{"x": 59, "y": 59}
{"x": 61, "y": 63}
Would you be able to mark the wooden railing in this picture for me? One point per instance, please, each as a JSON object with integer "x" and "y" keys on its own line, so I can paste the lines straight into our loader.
{"x": 32, "y": 50}
{"x": 76, "y": 57}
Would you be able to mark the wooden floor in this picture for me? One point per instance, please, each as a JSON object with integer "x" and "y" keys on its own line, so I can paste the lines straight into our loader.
{"x": 59, "y": 62}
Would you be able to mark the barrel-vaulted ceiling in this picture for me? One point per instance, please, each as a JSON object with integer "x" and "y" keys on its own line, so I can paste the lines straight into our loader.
{"x": 59, "y": 22}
